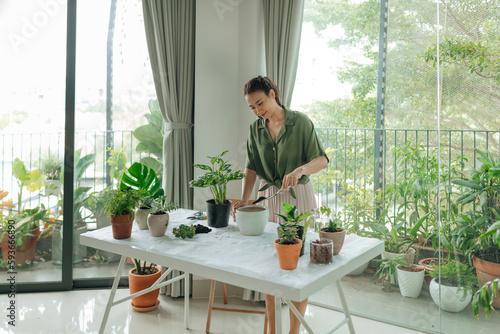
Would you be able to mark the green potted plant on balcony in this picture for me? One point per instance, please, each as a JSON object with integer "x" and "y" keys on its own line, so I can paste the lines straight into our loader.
{"x": 158, "y": 217}
{"x": 141, "y": 277}
{"x": 288, "y": 245}
{"x": 216, "y": 178}
{"x": 473, "y": 235}
{"x": 51, "y": 169}
{"x": 388, "y": 269}
{"x": 458, "y": 282}
{"x": 120, "y": 208}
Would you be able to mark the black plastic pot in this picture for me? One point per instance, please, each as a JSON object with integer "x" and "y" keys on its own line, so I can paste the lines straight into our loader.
{"x": 218, "y": 214}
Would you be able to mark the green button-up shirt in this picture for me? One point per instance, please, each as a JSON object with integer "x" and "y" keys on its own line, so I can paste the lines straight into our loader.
{"x": 296, "y": 144}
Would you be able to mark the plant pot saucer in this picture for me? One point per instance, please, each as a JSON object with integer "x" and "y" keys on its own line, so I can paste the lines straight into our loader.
{"x": 145, "y": 309}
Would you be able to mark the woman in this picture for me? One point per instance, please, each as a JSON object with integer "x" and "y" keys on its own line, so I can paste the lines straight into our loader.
{"x": 282, "y": 150}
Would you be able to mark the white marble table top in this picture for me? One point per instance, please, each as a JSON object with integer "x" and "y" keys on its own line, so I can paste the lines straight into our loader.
{"x": 226, "y": 255}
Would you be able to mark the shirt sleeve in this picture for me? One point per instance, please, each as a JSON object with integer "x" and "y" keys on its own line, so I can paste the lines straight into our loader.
{"x": 250, "y": 162}
{"x": 312, "y": 146}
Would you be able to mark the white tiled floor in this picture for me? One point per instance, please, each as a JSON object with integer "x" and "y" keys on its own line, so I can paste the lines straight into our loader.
{"x": 81, "y": 311}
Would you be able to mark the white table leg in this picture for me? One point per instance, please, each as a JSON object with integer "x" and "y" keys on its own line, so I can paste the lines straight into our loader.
{"x": 186, "y": 300}
{"x": 299, "y": 316}
{"x": 277, "y": 314}
{"x": 344, "y": 306}
{"x": 112, "y": 294}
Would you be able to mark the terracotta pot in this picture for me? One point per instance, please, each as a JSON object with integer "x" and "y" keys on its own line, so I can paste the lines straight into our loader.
{"x": 122, "y": 226}
{"x": 288, "y": 255}
{"x": 158, "y": 224}
{"x": 487, "y": 271}
{"x": 141, "y": 217}
{"x": 25, "y": 252}
{"x": 136, "y": 283}
{"x": 337, "y": 238}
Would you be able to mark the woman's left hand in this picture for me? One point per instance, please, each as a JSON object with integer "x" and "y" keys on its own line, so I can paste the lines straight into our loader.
{"x": 291, "y": 180}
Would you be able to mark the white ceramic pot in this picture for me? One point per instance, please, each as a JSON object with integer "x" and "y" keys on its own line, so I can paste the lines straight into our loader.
{"x": 141, "y": 217}
{"x": 452, "y": 299}
{"x": 252, "y": 219}
{"x": 52, "y": 187}
{"x": 410, "y": 283}
{"x": 158, "y": 224}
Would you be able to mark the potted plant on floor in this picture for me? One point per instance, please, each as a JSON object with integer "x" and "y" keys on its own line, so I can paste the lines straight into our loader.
{"x": 481, "y": 194}
{"x": 288, "y": 245}
{"x": 388, "y": 269}
{"x": 333, "y": 230}
{"x": 142, "y": 178}
{"x": 216, "y": 177}
{"x": 142, "y": 277}
{"x": 120, "y": 209}
{"x": 410, "y": 279}
{"x": 51, "y": 168}
{"x": 158, "y": 217}
{"x": 456, "y": 281}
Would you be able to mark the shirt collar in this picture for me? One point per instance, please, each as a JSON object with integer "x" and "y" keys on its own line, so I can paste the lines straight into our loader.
{"x": 289, "y": 118}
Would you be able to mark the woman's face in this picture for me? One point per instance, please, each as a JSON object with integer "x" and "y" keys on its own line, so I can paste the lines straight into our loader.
{"x": 262, "y": 105}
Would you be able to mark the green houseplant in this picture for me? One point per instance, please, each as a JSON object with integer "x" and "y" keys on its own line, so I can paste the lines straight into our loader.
{"x": 52, "y": 168}
{"x": 158, "y": 217}
{"x": 141, "y": 277}
{"x": 142, "y": 178}
{"x": 119, "y": 207}
{"x": 388, "y": 269}
{"x": 216, "y": 177}
{"x": 333, "y": 231}
{"x": 473, "y": 234}
{"x": 457, "y": 284}
{"x": 288, "y": 245}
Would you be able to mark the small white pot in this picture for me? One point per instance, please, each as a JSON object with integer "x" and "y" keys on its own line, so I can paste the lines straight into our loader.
{"x": 252, "y": 219}
{"x": 158, "y": 224}
{"x": 452, "y": 298}
{"x": 360, "y": 270}
{"x": 141, "y": 217}
{"x": 410, "y": 283}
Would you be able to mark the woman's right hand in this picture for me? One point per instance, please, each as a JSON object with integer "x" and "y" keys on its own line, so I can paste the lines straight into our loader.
{"x": 237, "y": 205}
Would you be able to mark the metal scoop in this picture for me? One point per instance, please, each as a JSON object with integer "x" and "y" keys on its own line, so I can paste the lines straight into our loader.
{"x": 262, "y": 198}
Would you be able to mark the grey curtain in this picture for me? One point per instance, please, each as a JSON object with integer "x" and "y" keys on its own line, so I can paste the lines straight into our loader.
{"x": 170, "y": 35}
{"x": 282, "y": 31}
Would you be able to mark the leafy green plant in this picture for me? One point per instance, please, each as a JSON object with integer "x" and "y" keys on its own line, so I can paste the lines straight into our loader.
{"x": 217, "y": 175}
{"x": 287, "y": 229}
{"x": 25, "y": 221}
{"x": 120, "y": 202}
{"x": 144, "y": 269}
{"x": 484, "y": 297}
{"x": 388, "y": 267}
{"x": 52, "y": 167}
{"x": 456, "y": 274}
{"x": 32, "y": 180}
{"x": 160, "y": 206}
{"x": 334, "y": 222}
{"x": 184, "y": 231}
{"x": 141, "y": 177}
{"x": 476, "y": 229}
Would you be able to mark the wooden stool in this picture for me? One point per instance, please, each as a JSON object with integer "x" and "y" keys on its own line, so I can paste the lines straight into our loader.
{"x": 212, "y": 308}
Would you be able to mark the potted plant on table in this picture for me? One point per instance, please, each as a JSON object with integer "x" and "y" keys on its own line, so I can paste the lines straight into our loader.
{"x": 457, "y": 284}
{"x": 473, "y": 235}
{"x": 334, "y": 230}
{"x": 141, "y": 277}
{"x": 143, "y": 179}
{"x": 288, "y": 245}
{"x": 120, "y": 209}
{"x": 158, "y": 217}
{"x": 216, "y": 177}
{"x": 52, "y": 168}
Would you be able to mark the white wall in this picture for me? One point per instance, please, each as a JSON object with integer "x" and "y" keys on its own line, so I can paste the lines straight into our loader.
{"x": 229, "y": 51}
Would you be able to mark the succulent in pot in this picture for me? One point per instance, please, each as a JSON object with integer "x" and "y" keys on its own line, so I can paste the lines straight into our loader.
{"x": 158, "y": 218}
{"x": 216, "y": 178}
{"x": 333, "y": 230}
